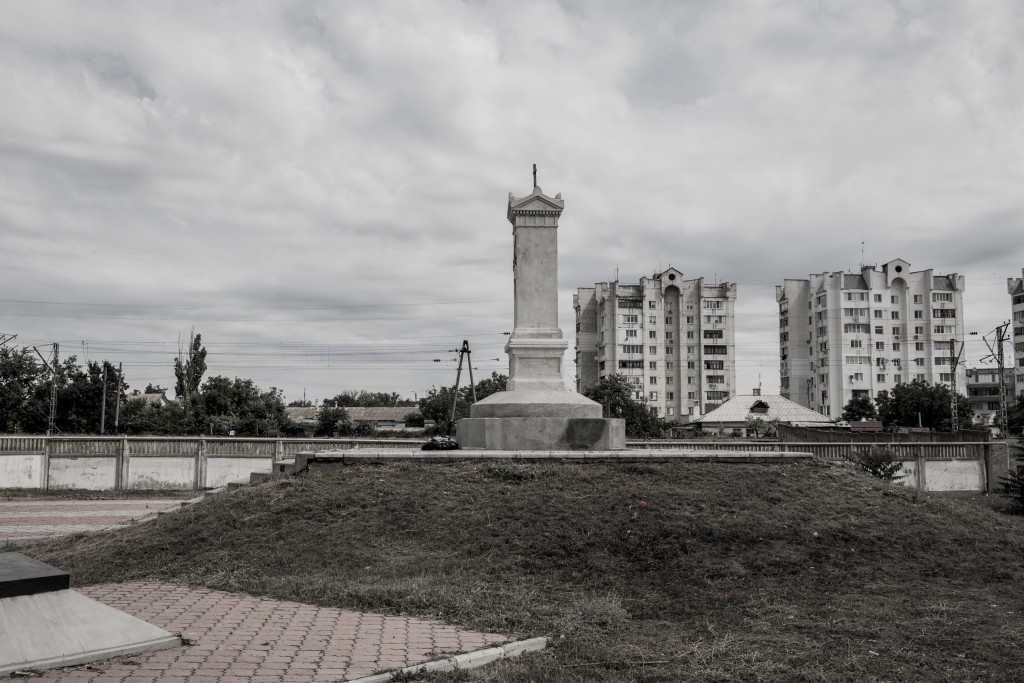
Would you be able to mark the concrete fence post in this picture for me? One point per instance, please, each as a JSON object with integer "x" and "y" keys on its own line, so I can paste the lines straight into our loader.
{"x": 922, "y": 465}
{"x": 201, "y": 464}
{"x": 119, "y": 456}
{"x": 45, "y": 474}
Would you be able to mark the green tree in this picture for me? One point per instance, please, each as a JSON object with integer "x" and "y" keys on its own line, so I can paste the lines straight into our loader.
{"x": 1015, "y": 416}
{"x": 762, "y": 427}
{"x": 154, "y": 389}
{"x": 239, "y": 405}
{"x": 860, "y": 408}
{"x": 368, "y": 399}
{"x": 188, "y": 373}
{"x": 906, "y": 404}
{"x": 331, "y": 421}
{"x": 881, "y": 462}
{"x": 21, "y": 374}
{"x": 300, "y": 404}
{"x": 616, "y": 395}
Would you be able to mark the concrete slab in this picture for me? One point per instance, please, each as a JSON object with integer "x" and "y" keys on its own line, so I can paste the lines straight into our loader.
{"x": 64, "y": 628}
{"x": 21, "y": 575}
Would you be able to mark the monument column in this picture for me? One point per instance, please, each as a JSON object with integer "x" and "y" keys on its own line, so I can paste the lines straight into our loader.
{"x": 536, "y": 349}
{"x": 537, "y": 411}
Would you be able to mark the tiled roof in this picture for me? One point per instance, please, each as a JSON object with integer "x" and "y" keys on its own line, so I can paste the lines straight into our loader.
{"x": 396, "y": 413}
{"x": 301, "y": 413}
{"x": 153, "y": 399}
{"x": 854, "y": 281}
{"x": 737, "y": 409}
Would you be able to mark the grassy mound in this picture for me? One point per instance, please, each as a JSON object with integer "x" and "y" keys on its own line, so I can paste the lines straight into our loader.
{"x": 658, "y": 572}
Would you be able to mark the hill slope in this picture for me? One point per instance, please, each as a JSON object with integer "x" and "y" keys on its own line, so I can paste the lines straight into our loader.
{"x": 639, "y": 572}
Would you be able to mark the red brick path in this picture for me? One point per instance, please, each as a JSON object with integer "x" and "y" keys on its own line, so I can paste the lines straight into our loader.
{"x": 241, "y": 638}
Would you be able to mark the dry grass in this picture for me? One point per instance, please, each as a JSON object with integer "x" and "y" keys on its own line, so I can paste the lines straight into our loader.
{"x": 660, "y": 572}
{"x": 85, "y": 494}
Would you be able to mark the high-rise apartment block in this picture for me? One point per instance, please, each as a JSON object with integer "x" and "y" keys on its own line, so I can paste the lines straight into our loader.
{"x": 1015, "y": 285}
{"x": 673, "y": 340}
{"x": 846, "y": 335}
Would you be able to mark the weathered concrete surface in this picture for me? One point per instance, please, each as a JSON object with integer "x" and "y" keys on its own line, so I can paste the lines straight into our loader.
{"x": 542, "y": 433}
{"x": 63, "y": 628}
{"x": 21, "y": 470}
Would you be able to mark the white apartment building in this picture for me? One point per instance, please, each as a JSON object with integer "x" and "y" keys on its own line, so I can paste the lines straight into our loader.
{"x": 673, "y": 340}
{"x": 843, "y": 335}
{"x": 1015, "y": 286}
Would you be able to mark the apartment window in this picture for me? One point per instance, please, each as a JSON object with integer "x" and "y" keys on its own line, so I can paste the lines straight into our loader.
{"x": 669, "y": 350}
{"x": 896, "y": 362}
{"x": 669, "y": 365}
{"x": 895, "y": 299}
{"x": 692, "y": 395}
{"x": 712, "y": 304}
{"x": 652, "y": 334}
{"x": 942, "y": 360}
{"x": 919, "y": 376}
{"x": 918, "y": 299}
{"x": 713, "y": 334}
{"x": 652, "y": 304}
{"x": 654, "y": 349}
{"x": 880, "y": 362}
{"x": 716, "y": 395}
{"x": 856, "y": 344}
{"x": 630, "y": 333}
{"x": 689, "y": 350}
{"x": 879, "y": 329}
{"x": 856, "y": 296}
{"x": 942, "y": 296}
{"x": 855, "y": 311}
{"x": 895, "y": 331}
{"x": 856, "y": 328}
{"x": 690, "y": 365}
{"x": 919, "y": 361}
{"x": 878, "y": 313}
{"x": 943, "y": 312}
{"x": 630, "y": 319}
{"x": 947, "y": 377}
{"x": 943, "y": 329}
{"x": 857, "y": 376}
{"x": 894, "y": 315}
{"x": 714, "y": 319}
{"x": 689, "y": 320}
{"x": 668, "y": 380}
{"x": 635, "y": 380}
{"x": 668, "y": 335}
{"x": 689, "y": 334}
{"x": 918, "y": 314}
{"x": 897, "y": 379}
{"x": 653, "y": 365}
{"x": 919, "y": 346}
{"x": 714, "y": 365}
{"x": 652, "y": 319}
{"x": 670, "y": 411}
{"x": 653, "y": 379}
{"x": 669, "y": 395}
{"x": 820, "y": 300}
{"x": 632, "y": 348}
{"x": 689, "y": 379}
{"x": 630, "y": 364}
{"x": 716, "y": 379}
{"x": 878, "y": 298}
{"x": 715, "y": 350}
{"x": 654, "y": 395}
{"x": 879, "y": 346}
{"x": 943, "y": 345}
{"x": 668, "y": 320}
{"x": 858, "y": 360}
{"x": 880, "y": 377}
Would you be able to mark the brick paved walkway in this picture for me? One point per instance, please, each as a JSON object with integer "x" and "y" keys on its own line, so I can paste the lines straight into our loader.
{"x": 35, "y": 518}
{"x": 240, "y": 638}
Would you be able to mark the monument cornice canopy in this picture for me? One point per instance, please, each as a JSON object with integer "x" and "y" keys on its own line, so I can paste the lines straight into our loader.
{"x": 535, "y": 204}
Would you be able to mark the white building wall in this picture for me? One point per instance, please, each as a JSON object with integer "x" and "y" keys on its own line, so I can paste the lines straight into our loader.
{"x": 1015, "y": 286}
{"x": 653, "y": 333}
{"x": 850, "y": 334}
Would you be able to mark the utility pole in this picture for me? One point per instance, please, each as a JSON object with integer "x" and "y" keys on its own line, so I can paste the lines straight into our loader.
{"x": 463, "y": 352}
{"x": 51, "y": 424}
{"x": 117, "y": 406}
{"x": 103, "y": 402}
{"x": 954, "y": 361}
{"x": 995, "y": 349}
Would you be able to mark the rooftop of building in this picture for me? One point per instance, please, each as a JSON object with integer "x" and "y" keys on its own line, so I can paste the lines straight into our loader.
{"x": 767, "y": 407}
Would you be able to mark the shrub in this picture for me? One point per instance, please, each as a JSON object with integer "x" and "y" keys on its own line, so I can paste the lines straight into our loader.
{"x": 881, "y": 462}
{"x": 1013, "y": 487}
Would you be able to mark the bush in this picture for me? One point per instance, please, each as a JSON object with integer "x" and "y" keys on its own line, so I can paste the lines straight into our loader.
{"x": 1013, "y": 487}
{"x": 881, "y": 462}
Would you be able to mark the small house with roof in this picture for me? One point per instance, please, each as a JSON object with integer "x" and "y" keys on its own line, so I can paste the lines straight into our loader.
{"x": 733, "y": 415}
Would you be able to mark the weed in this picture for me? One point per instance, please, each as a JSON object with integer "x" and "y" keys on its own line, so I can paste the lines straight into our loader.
{"x": 881, "y": 462}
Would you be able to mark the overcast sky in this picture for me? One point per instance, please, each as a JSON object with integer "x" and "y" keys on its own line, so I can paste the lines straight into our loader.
{"x": 319, "y": 188}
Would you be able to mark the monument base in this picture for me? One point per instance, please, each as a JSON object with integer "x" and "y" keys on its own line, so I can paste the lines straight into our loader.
{"x": 542, "y": 433}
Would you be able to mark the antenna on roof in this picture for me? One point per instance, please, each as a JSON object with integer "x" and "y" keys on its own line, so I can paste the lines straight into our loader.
{"x": 862, "y": 249}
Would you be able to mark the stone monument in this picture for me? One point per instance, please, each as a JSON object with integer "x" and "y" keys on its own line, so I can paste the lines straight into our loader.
{"x": 537, "y": 412}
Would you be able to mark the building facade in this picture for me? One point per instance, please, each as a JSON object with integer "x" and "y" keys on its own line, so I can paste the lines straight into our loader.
{"x": 846, "y": 335}
{"x": 673, "y": 340}
{"x": 983, "y": 391}
{"x": 1015, "y": 286}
